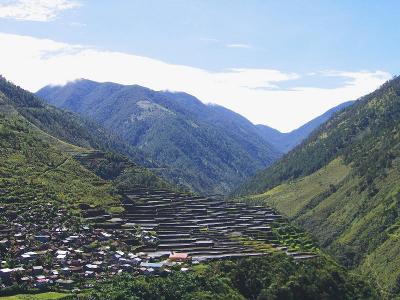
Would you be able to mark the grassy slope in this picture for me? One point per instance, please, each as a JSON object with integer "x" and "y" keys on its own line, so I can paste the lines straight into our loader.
{"x": 36, "y": 164}
{"x": 291, "y": 197}
{"x": 37, "y": 154}
{"x": 352, "y": 208}
{"x": 66, "y": 126}
{"x": 359, "y": 230}
{"x": 31, "y": 165}
{"x": 42, "y": 296}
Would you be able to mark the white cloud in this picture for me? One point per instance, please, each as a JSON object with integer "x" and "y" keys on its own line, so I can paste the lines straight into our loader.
{"x": 254, "y": 93}
{"x": 35, "y": 10}
{"x": 243, "y": 46}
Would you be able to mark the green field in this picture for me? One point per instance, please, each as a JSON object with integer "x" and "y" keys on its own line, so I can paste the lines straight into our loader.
{"x": 290, "y": 197}
{"x": 42, "y": 296}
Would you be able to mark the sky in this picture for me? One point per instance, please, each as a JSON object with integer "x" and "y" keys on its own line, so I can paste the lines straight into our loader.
{"x": 278, "y": 63}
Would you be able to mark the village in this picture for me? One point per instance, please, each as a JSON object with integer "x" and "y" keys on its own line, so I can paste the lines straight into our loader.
{"x": 45, "y": 246}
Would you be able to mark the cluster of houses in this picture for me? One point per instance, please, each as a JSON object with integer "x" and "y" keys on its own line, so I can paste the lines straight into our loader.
{"x": 42, "y": 246}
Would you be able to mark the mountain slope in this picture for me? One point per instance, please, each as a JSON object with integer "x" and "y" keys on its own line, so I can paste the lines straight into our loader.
{"x": 342, "y": 185}
{"x": 44, "y": 181}
{"x": 34, "y": 162}
{"x": 285, "y": 142}
{"x": 205, "y": 147}
{"x": 68, "y": 126}
{"x": 35, "y": 166}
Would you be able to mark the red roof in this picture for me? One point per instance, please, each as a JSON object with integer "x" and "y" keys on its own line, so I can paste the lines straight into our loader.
{"x": 178, "y": 256}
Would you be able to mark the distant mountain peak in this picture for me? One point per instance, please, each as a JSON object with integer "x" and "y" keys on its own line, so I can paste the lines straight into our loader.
{"x": 285, "y": 142}
{"x": 206, "y": 147}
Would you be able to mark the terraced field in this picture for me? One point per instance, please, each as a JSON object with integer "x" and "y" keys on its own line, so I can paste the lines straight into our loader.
{"x": 205, "y": 228}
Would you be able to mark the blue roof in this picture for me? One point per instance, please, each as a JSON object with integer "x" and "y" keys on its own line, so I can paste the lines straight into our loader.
{"x": 151, "y": 265}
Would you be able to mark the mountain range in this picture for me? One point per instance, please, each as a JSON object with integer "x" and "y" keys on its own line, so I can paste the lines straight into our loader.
{"x": 207, "y": 148}
{"x": 40, "y": 168}
{"x": 342, "y": 185}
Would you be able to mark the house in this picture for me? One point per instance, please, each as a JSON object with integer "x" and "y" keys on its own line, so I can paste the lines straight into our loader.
{"x": 42, "y": 238}
{"x": 126, "y": 267}
{"x": 42, "y": 283}
{"x": 76, "y": 269}
{"x": 89, "y": 274}
{"x": 5, "y": 273}
{"x": 25, "y": 279}
{"x": 184, "y": 270}
{"x": 37, "y": 270}
{"x": 175, "y": 256}
{"x": 66, "y": 271}
{"x": 92, "y": 267}
{"x": 61, "y": 257}
{"x": 149, "y": 271}
{"x": 67, "y": 284}
{"x": 151, "y": 265}
{"x": 4, "y": 244}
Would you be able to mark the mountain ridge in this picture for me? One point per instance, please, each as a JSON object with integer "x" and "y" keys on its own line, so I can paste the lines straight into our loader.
{"x": 200, "y": 147}
{"x": 285, "y": 142}
{"x": 221, "y": 150}
{"x": 341, "y": 185}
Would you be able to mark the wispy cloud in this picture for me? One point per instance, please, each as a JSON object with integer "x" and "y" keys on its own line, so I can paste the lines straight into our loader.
{"x": 242, "y": 46}
{"x": 35, "y": 10}
{"x": 246, "y": 91}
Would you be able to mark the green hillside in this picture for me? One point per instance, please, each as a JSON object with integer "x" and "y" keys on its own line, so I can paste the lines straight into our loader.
{"x": 205, "y": 147}
{"x": 274, "y": 277}
{"x": 67, "y": 126}
{"x": 32, "y": 167}
{"x": 37, "y": 165}
{"x": 42, "y": 175}
{"x": 342, "y": 185}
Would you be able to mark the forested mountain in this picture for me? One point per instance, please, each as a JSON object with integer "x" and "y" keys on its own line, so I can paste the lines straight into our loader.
{"x": 40, "y": 172}
{"x": 342, "y": 185}
{"x": 285, "y": 142}
{"x": 39, "y": 149}
{"x": 206, "y": 147}
{"x": 68, "y": 126}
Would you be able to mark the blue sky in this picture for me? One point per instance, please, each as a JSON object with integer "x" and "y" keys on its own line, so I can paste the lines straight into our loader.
{"x": 278, "y": 63}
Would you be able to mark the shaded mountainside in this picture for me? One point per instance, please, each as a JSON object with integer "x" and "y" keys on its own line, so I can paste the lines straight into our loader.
{"x": 285, "y": 142}
{"x": 67, "y": 126}
{"x": 342, "y": 185}
{"x": 206, "y": 147}
{"x": 37, "y": 165}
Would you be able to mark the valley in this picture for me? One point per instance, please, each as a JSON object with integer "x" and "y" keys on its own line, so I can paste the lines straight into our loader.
{"x": 199, "y": 150}
{"x": 342, "y": 186}
{"x": 206, "y": 148}
{"x": 75, "y": 219}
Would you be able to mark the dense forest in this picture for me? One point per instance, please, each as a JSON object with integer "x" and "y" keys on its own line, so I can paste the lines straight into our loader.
{"x": 274, "y": 277}
{"x": 208, "y": 148}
